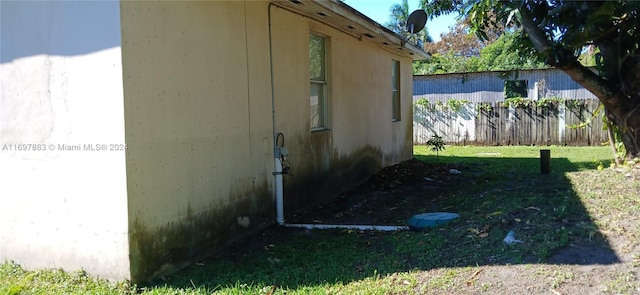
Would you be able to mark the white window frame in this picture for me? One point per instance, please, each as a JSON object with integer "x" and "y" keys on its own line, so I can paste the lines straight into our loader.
{"x": 396, "y": 102}
{"x": 318, "y": 119}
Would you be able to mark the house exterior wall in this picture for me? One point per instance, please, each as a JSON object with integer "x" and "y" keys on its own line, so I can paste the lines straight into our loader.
{"x": 361, "y": 137}
{"x": 63, "y": 204}
{"x": 489, "y": 86}
{"x": 199, "y": 122}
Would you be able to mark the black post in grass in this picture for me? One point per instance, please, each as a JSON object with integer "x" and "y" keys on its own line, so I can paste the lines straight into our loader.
{"x": 545, "y": 161}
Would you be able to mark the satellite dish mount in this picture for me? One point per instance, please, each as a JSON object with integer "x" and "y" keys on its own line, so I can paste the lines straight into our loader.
{"x": 416, "y": 22}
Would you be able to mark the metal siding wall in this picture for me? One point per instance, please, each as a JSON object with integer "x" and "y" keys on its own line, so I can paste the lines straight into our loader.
{"x": 489, "y": 86}
{"x": 474, "y": 87}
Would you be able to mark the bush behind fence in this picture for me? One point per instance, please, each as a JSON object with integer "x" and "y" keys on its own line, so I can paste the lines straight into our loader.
{"x": 559, "y": 122}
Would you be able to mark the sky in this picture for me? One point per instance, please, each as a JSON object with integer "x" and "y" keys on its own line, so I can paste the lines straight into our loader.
{"x": 378, "y": 10}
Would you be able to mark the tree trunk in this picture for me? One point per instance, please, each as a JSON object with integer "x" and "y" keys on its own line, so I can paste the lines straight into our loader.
{"x": 619, "y": 92}
{"x": 621, "y": 102}
{"x": 612, "y": 139}
{"x": 626, "y": 115}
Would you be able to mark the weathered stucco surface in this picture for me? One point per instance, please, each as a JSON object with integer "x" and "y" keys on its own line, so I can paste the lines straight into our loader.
{"x": 198, "y": 121}
{"x": 188, "y": 87}
{"x": 64, "y": 204}
{"x": 361, "y": 137}
{"x": 198, "y": 110}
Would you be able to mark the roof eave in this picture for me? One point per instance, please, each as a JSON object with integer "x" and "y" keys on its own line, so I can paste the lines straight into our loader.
{"x": 345, "y": 18}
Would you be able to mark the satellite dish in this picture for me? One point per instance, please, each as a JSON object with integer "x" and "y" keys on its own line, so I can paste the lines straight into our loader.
{"x": 416, "y": 21}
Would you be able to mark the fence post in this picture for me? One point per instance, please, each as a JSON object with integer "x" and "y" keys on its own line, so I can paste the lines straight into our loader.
{"x": 561, "y": 121}
{"x": 511, "y": 126}
{"x": 545, "y": 161}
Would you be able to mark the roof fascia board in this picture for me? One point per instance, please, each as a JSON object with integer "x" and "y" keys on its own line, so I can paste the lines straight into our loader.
{"x": 340, "y": 8}
{"x": 372, "y": 30}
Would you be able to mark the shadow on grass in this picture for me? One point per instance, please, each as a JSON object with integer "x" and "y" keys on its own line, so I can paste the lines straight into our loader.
{"x": 492, "y": 195}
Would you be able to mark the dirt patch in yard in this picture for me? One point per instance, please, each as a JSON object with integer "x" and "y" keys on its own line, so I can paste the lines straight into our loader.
{"x": 389, "y": 197}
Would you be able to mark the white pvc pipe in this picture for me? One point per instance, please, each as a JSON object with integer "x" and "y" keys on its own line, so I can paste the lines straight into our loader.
{"x": 348, "y": 226}
{"x": 276, "y": 153}
{"x": 280, "y": 211}
{"x": 278, "y": 164}
{"x": 279, "y": 194}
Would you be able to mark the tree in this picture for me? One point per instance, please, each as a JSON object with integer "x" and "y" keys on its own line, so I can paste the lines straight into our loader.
{"x": 436, "y": 143}
{"x": 461, "y": 51}
{"x": 507, "y": 53}
{"x": 461, "y": 42}
{"x": 558, "y": 31}
{"x": 398, "y": 23}
{"x": 458, "y": 41}
{"x": 504, "y": 54}
{"x": 445, "y": 63}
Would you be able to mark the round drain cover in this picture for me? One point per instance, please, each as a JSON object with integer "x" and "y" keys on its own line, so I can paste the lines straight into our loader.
{"x": 419, "y": 222}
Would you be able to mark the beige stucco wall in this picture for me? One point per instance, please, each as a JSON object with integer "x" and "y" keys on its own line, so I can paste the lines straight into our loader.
{"x": 188, "y": 88}
{"x": 198, "y": 117}
{"x": 198, "y": 121}
{"x": 63, "y": 205}
{"x": 361, "y": 137}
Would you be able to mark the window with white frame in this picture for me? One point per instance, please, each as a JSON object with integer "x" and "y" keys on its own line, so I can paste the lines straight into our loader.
{"x": 395, "y": 91}
{"x": 318, "y": 81}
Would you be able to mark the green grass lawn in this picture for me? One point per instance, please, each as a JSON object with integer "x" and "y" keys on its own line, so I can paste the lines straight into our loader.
{"x": 523, "y": 157}
{"x": 500, "y": 189}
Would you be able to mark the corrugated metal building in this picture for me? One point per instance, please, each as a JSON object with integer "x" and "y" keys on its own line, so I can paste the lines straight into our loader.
{"x": 490, "y": 86}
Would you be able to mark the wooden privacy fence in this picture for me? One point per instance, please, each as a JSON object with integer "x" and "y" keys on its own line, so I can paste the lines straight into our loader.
{"x": 570, "y": 122}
